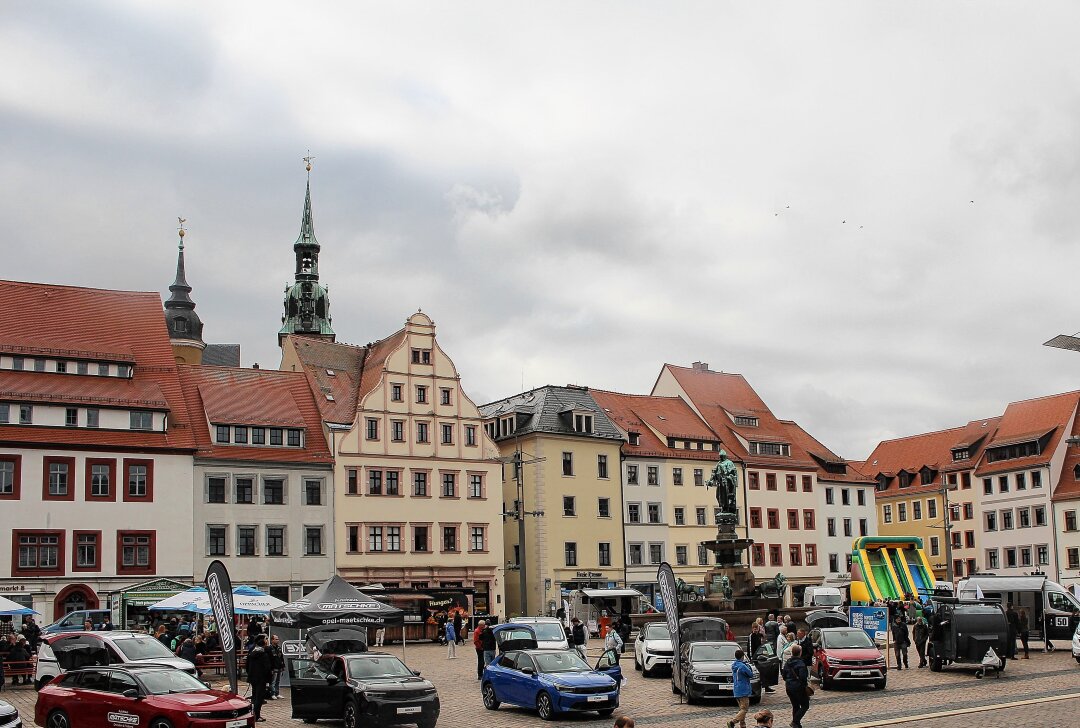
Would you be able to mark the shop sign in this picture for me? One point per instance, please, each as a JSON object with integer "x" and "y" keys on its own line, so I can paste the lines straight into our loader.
{"x": 590, "y": 575}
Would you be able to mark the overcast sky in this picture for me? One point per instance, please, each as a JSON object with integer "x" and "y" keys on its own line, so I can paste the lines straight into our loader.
{"x": 869, "y": 209}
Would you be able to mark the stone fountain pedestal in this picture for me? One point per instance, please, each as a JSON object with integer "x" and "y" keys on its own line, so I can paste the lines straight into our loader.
{"x": 728, "y": 549}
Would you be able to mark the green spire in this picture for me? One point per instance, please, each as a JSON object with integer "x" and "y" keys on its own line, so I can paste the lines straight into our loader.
{"x": 307, "y": 302}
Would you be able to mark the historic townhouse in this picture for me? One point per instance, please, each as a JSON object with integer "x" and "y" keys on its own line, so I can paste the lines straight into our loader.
{"x": 1066, "y": 506}
{"x": 845, "y": 500}
{"x": 916, "y": 476}
{"x": 778, "y": 475}
{"x": 264, "y": 491}
{"x": 1017, "y": 473}
{"x": 569, "y": 450}
{"x": 668, "y": 455}
{"x": 95, "y": 449}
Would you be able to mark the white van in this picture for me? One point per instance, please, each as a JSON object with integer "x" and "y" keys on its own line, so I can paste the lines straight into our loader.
{"x": 823, "y": 597}
{"x": 1053, "y": 611}
{"x": 550, "y": 634}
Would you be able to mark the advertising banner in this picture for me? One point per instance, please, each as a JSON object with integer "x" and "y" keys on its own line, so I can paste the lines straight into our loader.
{"x": 219, "y": 588}
{"x": 872, "y": 620}
{"x": 669, "y": 596}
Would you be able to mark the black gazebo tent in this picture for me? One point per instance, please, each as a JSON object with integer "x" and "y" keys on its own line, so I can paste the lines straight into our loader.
{"x": 336, "y": 602}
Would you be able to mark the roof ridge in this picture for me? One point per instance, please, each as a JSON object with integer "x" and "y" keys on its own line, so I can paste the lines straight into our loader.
{"x": 89, "y": 289}
{"x": 1073, "y": 392}
{"x": 637, "y": 396}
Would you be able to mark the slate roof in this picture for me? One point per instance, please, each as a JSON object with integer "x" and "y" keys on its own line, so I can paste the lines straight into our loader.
{"x": 256, "y": 397}
{"x": 541, "y": 411}
{"x": 98, "y": 325}
{"x": 648, "y": 415}
{"x": 221, "y": 355}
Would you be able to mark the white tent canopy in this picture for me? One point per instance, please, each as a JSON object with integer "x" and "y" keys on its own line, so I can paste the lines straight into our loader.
{"x": 14, "y": 608}
{"x": 246, "y": 600}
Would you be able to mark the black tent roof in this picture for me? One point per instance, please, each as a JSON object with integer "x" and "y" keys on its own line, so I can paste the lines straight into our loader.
{"x": 336, "y": 602}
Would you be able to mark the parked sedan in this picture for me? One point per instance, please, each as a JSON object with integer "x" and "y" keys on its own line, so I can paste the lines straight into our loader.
{"x": 142, "y": 696}
{"x": 847, "y": 654}
{"x": 652, "y": 648}
{"x": 552, "y": 682}
{"x": 369, "y": 687}
{"x": 707, "y": 672}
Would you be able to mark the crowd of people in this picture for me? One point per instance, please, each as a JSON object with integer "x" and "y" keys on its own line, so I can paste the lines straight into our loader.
{"x": 17, "y": 648}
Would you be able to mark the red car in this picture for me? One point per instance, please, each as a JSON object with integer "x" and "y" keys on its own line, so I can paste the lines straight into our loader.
{"x": 137, "y": 696}
{"x": 847, "y": 655}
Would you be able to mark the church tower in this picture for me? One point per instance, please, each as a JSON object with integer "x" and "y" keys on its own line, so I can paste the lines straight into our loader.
{"x": 185, "y": 326}
{"x": 307, "y": 302}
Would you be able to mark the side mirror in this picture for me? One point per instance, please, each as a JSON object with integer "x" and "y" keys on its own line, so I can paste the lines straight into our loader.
{"x": 416, "y": 672}
{"x": 332, "y": 679}
{"x": 528, "y": 671}
{"x": 131, "y": 693}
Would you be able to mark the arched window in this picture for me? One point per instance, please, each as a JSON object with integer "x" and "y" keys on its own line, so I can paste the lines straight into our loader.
{"x": 75, "y": 602}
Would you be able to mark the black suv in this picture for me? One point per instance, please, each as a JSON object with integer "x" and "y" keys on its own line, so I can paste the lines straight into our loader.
{"x": 365, "y": 688}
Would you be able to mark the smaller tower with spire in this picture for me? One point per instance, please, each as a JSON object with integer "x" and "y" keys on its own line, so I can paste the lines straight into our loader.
{"x": 307, "y": 302}
{"x": 185, "y": 326}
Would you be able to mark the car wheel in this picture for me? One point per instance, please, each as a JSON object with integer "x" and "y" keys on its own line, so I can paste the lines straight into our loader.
{"x": 491, "y": 702}
{"x": 879, "y": 685}
{"x": 545, "y": 707}
{"x": 606, "y": 712}
{"x": 429, "y": 723}
{"x": 637, "y": 663}
{"x": 823, "y": 681}
{"x": 352, "y": 715}
{"x": 1077, "y": 658}
{"x": 690, "y": 699}
{"x": 161, "y": 723}
{"x": 58, "y": 719}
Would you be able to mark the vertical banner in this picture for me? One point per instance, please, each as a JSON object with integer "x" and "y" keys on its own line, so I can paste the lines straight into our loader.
{"x": 669, "y": 595}
{"x": 219, "y": 588}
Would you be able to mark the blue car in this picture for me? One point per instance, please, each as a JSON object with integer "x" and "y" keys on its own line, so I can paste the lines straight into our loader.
{"x": 551, "y": 681}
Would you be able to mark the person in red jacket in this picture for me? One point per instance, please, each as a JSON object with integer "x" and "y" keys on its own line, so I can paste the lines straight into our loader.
{"x": 479, "y": 648}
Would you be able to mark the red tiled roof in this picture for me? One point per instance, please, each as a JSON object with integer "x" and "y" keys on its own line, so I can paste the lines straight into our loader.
{"x": 930, "y": 449}
{"x": 1068, "y": 487}
{"x": 80, "y": 389}
{"x": 253, "y": 396}
{"x": 716, "y": 394}
{"x": 83, "y": 439}
{"x": 822, "y": 454}
{"x": 1029, "y": 420}
{"x": 90, "y": 322}
{"x": 647, "y": 415}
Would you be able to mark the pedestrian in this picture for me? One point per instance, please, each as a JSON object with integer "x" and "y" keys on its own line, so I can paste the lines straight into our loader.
{"x": 487, "y": 641}
{"x": 18, "y": 657}
{"x": 764, "y": 718}
{"x": 188, "y": 652}
{"x": 624, "y": 721}
{"x": 920, "y": 633}
{"x": 458, "y": 625}
{"x": 781, "y": 640}
{"x": 786, "y": 650}
{"x": 106, "y": 623}
{"x": 88, "y": 626}
{"x": 901, "y": 641}
{"x": 277, "y": 663}
{"x": 478, "y": 645}
{"x": 577, "y": 633}
{"x": 32, "y": 633}
{"x": 624, "y": 631}
{"x": 1014, "y": 631}
{"x": 805, "y": 642}
{"x": 613, "y": 641}
{"x": 1025, "y": 630}
{"x": 380, "y": 634}
{"x": 441, "y": 629}
{"x": 772, "y": 629}
{"x": 451, "y": 642}
{"x": 259, "y": 670}
{"x": 741, "y": 674}
{"x": 797, "y": 683}
{"x": 162, "y": 635}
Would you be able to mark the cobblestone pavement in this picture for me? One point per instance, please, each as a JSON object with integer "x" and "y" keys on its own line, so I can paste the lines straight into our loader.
{"x": 910, "y": 694}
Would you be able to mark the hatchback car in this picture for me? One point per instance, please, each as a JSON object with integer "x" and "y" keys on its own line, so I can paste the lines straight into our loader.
{"x": 550, "y": 633}
{"x": 552, "y": 682}
{"x": 9, "y": 715}
{"x": 652, "y": 648}
{"x": 65, "y": 651}
{"x": 707, "y": 672}
{"x": 847, "y": 654}
{"x": 1076, "y": 644}
{"x": 137, "y": 696}
{"x": 364, "y": 688}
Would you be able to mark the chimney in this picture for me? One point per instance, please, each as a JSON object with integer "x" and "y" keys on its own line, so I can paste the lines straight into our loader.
{"x": 700, "y": 366}
{"x": 255, "y": 366}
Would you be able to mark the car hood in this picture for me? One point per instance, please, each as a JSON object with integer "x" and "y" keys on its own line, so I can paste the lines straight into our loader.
{"x": 552, "y": 644}
{"x": 176, "y": 662}
{"x": 202, "y": 700}
{"x": 579, "y": 679}
{"x": 394, "y": 683}
{"x": 657, "y": 644}
{"x": 860, "y": 653}
{"x": 712, "y": 667}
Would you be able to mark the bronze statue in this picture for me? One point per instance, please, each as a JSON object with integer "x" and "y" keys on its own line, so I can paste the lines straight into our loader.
{"x": 725, "y": 478}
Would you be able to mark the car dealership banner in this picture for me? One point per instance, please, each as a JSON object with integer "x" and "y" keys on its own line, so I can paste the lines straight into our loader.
{"x": 219, "y": 587}
{"x": 670, "y": 596}
{"x": 872, "y": 620}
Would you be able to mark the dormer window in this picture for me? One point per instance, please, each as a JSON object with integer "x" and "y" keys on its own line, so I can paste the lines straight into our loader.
{"x": 142, "y": 420}
{"x": 905, "y": 479}
{"x": 583, "y": 423}
{"x": 746, "y": 421}
{"x": 507, "y": 426}
{"x": 961, "y": 453}
{"x": 61, "y": 367}
{"x": 883, "y": 482}
{"x": 775, "y": 449}
{"x": 123, "y": 371}
{"x": 927, "y": 475}
{"x": 635, "y": 438}
{"x": 421, "y": 356}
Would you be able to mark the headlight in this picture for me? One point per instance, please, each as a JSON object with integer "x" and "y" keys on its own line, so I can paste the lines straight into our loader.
{"x": 377, "y": 694}
{"x": 561, "y": 687}
{"x": 199, "y": 715}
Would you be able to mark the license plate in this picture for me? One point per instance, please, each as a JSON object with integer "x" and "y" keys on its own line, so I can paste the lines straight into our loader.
{"x": 236, "y": 724}
{"x": 409, "y": 709}
{"x": 860, "y": 673}
{"x": 597, "y": 698}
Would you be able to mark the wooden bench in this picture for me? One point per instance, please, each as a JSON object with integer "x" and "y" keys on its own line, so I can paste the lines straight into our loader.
{"x": 23, "y": 669}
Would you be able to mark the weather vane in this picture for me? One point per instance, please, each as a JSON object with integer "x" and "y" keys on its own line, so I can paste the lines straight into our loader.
{"x": 307, "y": 161}
{"x": 182, "y": 220}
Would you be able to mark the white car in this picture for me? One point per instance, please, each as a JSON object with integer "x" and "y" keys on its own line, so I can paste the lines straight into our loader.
{"x": 1076, "y": 644}
{"x": 652, "y": 648}
{"x": 550, "y": 633}
{"x": 65, "y": 651}
{"x": 9, "y": 716}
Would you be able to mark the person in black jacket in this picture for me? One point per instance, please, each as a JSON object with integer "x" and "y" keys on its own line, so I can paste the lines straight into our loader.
{"x": 277, "y": 662}
{"x": 459, "y": 638}
{"x": 487, "y": 643}
{"x": 259, "y": 670}
{"x": 577, "y": 636}
{"x": 796, "y": 679}
{"x": 1013, "y": 620}
{"x": 18, "y": 656}
{"x": 901, "y": 642}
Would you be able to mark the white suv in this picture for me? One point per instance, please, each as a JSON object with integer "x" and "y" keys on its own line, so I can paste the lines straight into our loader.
{"x": 550, "y": 633}
{"x": 653, "y": 648}
{"x": 65, "y": 651}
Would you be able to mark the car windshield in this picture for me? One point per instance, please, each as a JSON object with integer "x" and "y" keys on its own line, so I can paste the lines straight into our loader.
{"x": 142, "y": 648}
{"x": 657, "y": 632}
{"x": 848, "y": 639}
{"x": 560, "y": 662}
{"x": 386, "y": 666}
{"x": 163, "y": 682}
{"x": 828, "y": 600}
{"x": 710, "y": 653}
{"x": 548, "y": 631}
